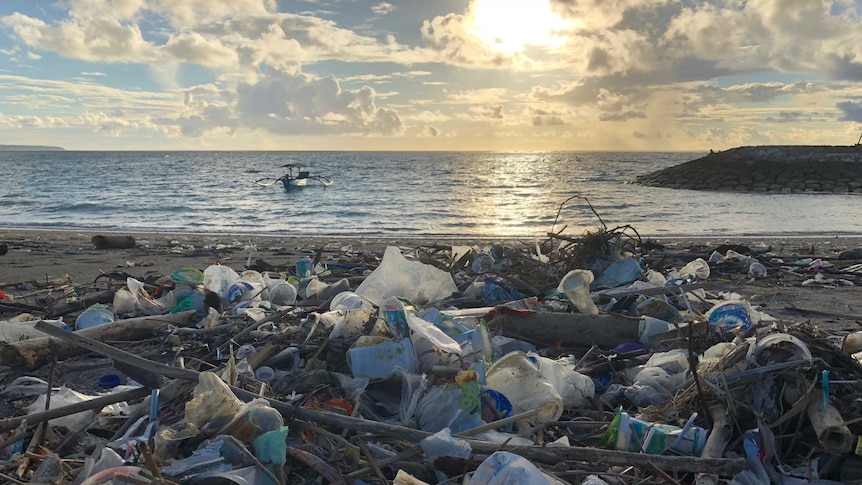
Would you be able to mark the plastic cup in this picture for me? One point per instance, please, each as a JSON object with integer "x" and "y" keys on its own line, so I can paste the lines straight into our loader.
{"x": 265, "y": 373}
{"x": 281, "y": 293}
{"x": 576, "y": 286}
{"x": 483, "y": 263}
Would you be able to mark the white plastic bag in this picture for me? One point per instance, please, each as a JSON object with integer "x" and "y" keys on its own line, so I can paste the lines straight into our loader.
{"x": 218, "y": 278}
{"x": 396, "y": 276}
{"x": 576, "y": 389}
{"x": 432, "y": 344}
{"x": 525, "y": 386}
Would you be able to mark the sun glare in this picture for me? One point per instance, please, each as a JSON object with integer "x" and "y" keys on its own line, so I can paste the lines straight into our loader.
{"x": 512, "y": 25}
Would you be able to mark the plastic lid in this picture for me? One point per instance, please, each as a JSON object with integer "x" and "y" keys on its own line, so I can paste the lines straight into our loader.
{"x": 187, "y": 276}
{"x": 109, "y": 381}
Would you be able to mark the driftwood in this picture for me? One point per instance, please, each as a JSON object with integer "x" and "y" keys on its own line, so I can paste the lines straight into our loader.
{"x": 573, "y": 329}
{"x": 105, "y": 297}
{"x": 35, "y": 352}
{"x": 92, "y": 404}
{"x": 545, "y": 455}
{"x": 113, "y": 242}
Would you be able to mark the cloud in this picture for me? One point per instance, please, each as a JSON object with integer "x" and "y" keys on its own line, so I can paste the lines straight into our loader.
{"x": 96, "y": 39}
{"x": 850, "y": 111}
{"x": 542, "y": 117}
{"x": 186, "y": 14}
{"x": 93, "y": 73}
{"x": 197, "y": 49}
{"x": 383, "y": 8}
{"x": 304, "y": 105}
{"x": 789, "y": 117}
{"x": 628, "y": 115}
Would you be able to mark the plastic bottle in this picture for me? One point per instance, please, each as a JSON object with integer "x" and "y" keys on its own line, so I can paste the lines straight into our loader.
{"x": 303, "y": 267}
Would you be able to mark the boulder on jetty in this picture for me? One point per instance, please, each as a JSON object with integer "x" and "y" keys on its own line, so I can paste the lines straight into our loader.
{"x": 773, "y": 169}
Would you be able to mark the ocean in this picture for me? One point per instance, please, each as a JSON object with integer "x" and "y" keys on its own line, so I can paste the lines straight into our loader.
{"x": 474, "y": 194}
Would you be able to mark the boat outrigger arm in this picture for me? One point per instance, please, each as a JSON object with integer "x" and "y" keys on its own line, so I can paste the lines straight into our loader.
{"x": 297, "y": 176}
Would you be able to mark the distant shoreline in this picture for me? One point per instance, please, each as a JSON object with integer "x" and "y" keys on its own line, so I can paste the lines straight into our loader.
{"x": 30, "y": 148}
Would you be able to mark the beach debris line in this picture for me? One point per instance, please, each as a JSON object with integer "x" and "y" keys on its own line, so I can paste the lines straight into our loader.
{"x": 595, "y": 359}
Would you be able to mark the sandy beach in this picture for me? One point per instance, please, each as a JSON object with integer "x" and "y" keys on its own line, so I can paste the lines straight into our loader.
{"x": 37, "y": 259}
{"x": 40, "y": 265}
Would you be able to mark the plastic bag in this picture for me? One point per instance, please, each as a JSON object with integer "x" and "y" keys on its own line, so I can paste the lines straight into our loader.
{"x": 212, "y": 399}
{"x": 218, "y": 278}
{"x": 621, "y": 272}
{"x": 523, "y": 384}
{"x": 441, "y": 407}
{"x": 143, "y": 301}
{"x": 396, "y": 275}
{"x": 65, "y": 397}
{"x": 576, "y": 389}
{"x": 504, "y": 468}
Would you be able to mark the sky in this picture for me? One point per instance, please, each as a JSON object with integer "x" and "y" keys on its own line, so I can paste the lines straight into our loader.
{"x": 653, "y": 75}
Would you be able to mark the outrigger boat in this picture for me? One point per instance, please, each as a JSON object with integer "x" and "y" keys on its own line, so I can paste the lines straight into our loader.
{"x": 297, "y": 176}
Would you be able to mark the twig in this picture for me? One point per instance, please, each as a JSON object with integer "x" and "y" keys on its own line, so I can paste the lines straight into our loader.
{"x": 661, "y": 474}
{"x": 372, "y": 461}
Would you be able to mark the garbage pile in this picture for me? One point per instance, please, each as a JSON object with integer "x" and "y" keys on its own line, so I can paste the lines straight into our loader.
{"x": 600, "y": 359}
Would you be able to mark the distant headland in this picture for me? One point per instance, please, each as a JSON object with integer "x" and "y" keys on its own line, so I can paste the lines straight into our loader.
{"x": 788, "y": 169}
{"x": 30, "y": 148}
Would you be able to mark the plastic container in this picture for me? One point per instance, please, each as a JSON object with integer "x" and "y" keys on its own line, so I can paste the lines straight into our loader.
{"x": 243, "y": 291}
{"x": 303, "y": 267}
{"x": 523, "y": 384}
{"x": 576, "y": 286}
{"x": 731, "y": 316}
{"x": 93, "y": 316}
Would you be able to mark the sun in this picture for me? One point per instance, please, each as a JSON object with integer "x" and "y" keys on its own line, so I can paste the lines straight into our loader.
{"x": 512, "y": 25}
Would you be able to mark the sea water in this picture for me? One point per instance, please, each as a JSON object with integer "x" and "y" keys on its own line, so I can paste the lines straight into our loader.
{"x": 392, "y": 194}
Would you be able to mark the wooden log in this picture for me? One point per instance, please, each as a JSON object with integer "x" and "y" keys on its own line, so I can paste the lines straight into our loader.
{"x": 35, "y": 352}
{"x": 113, "y": 242}
{"x": 104, "y": 297}
{"x": 573, "y": 329}
{"x": 724, "y": 467}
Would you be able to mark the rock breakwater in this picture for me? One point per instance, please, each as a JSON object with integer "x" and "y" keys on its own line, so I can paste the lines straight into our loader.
{"x": 773, "y": 169}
